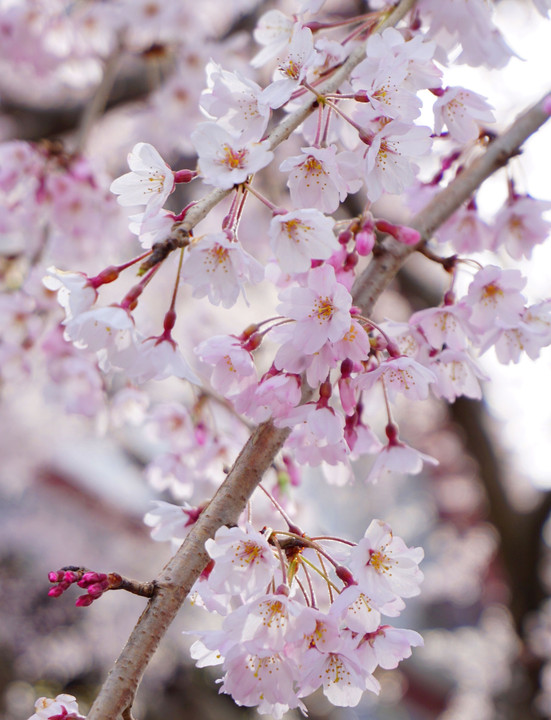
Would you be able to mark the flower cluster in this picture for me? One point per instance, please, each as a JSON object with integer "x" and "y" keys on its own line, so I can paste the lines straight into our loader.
{"x": 284, "y": 639}
{"x": 94, "y": 583}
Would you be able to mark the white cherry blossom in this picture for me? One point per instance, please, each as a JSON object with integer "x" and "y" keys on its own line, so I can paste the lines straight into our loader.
{"x": 218, "y": 267}
{"x": 149, "y": 183}
{"x": 301, "y": 236}
{"x": 226, "y": 159}
{"x": 463, "y": 112}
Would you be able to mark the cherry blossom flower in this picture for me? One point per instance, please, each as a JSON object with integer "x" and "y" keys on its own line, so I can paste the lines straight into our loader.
{"x": 382, "y": 85}
{"x": 169, "y": 521}
{"x": 155, "y": 358}
{"x": 292, "y": 68}
{"x": 456, "y": 374}
{"x": 233, "y": 365}
{"x": 389, "y": 165}
{"x": 398, "y": 457}
{"x": 321, "y": 310}
{"x": 444, "y": 325}
{"x": 104, "y": 329}
{"x": 218, "y": 267}
{"x": 319, "y": 178}
{"x": 236, "y": 102}
{"x": 63, "y": 706}
{"x": 463, "y": 112}
{"x": 149, "y": 183}
{"x": 356, "y": 610}
{"x": 244, "y": 562}
{"x": 387, "y": 646}
{"x": 226, "y": 159}
{"x": 274, "y": 30}
{"x": 400, "y": 375}
{"x": 519, "y": 226}
{"x": 340, "y": 672}
{"x": 263, "y": 679}
{"x": 466, "y": 231}
{"x": 494, "y": 294}
{"x": 298, "y": 237}
{"x": 318, "y": 434}
{"x": 274, "y": 397}
{"x": 530, "y": 334}
{"x": 151, "y": 228}
{"x": 75, "y": 292}
{"x": 384, "y": 566}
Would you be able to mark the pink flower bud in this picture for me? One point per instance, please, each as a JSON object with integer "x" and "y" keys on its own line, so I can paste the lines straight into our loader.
{"x": 84, "y": 601}
{"x": 365, "y": 240}
{"x": 55, "y": 591}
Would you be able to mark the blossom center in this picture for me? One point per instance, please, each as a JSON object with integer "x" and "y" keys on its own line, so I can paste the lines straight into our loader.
{"x": 249, "y": 552}
{"x": 234, "y": 159}
{"x": 324, "y": 309}
{"x": 379, "y": 561}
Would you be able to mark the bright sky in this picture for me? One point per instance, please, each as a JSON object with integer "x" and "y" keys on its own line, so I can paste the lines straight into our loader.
{"x": 520, "y": 396}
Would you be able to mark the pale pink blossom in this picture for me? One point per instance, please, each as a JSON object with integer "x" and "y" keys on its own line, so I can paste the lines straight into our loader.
{"x": 470, "y": 23}
{"x": 63, "y": 706}
{"x": 154, "y": 358}
{"x": 382, "y": 85}
{"x": 101, "y": 329}
{"x": 235, "y": 101}
{"x": 318, "y": 434}
{"x": 274, "y": 397}
{"x": 466, "y": 231}
{"x": 340, "y": 672}
{"x": 320, "y": 178}
{"x": 520, "y": 225}
{"x": 321, "y": 310}
{"x": 299, "y": 57}
{"x": 494, "y": 294}
{"x": 388, "y": 646}
{"x": 400, "y": 375}
{"x": 529, "y": 335}
{"x": 391, "y": 48}
{"x": 456, "y": 374}
{"x": 218, "y": 267}
{"x": 445, "y": 325}
{"x": 151, "y": 228}
{"x": 244, "y": 562}
{"x": 398, "y": 457}
{"x": 356, "y": 610}
{"x": 384, "y": 566}
{"x": 264, "y": 679}
{"x": 226, "y": 159}
{"x": 301, "y": 236}
{"x": 233, "y": 366}
{"x": 463, "y": 112}
{"x": 75, "y": 292}
{"x": 274, "y": 30}
{"x": 149, "y": 183}
{"x": 389, "y": 161}
{"x": 169, "y": 521}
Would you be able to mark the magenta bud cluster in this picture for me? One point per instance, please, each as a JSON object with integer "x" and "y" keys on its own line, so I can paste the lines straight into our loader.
{"x": 94, "y": 583}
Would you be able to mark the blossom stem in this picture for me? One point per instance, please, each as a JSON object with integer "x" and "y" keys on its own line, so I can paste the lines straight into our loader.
{"x": 276, "y": 211}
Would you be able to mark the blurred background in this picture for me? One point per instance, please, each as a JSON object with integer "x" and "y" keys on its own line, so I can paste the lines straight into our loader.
{"x": 78, "y": 450}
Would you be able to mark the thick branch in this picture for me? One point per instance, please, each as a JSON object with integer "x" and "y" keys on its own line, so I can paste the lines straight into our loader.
{"x": 380, "y": 272}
